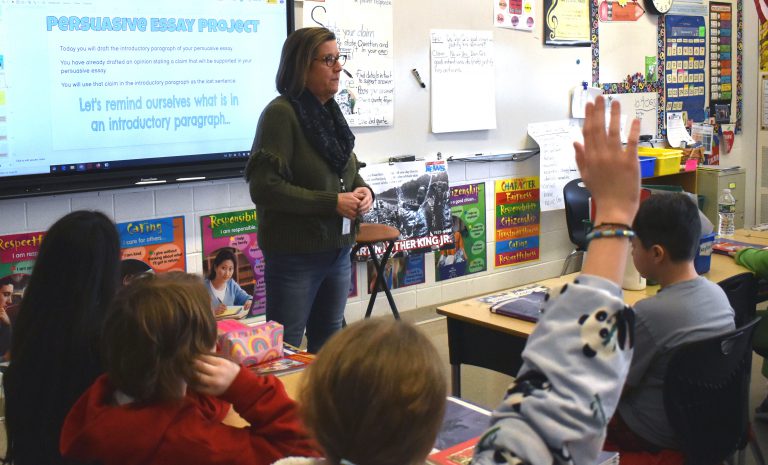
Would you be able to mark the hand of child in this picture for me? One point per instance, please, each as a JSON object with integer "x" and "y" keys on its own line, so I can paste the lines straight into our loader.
{"x": 734, "y": 250}
{"x": 221, "y": 308}
{"x": 214, "y": 374}
{"x": 4, "y": 317}
{"x": 247, "y": 305}
{"x": 610, "y": 172}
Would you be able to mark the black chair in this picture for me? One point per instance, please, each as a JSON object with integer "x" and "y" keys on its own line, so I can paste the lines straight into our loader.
{"x": 706, "y": 397}
{"x": 576, "y": 198}
{"x": 741, "y": 290}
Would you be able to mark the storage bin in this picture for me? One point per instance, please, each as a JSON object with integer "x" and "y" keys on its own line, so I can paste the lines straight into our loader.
{"x": 667, "y": 160}
{"x": 704, "y": 256}
{"x": 647, "y": 166}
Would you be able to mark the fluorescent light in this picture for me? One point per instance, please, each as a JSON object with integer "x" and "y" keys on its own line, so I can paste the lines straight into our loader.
{"x": 194, "y": 178}
{"x": 151, "y": 181}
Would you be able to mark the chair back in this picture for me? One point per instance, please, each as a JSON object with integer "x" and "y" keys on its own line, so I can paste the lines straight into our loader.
{"x": 576, "y": 198}
{"x": 706, "y": 395}
{"x": 741, "y": 290}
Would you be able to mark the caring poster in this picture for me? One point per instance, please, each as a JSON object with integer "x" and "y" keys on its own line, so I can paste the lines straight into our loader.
{"x": 236, "y": 231}
{"x": 518, "y": 216}
{"x": 467, "y": 254}
{"x": 18, "y": 253}
{"x": 157, "y": 243}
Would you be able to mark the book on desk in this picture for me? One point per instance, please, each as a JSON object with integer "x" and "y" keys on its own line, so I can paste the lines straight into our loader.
{"x": 523, "y": 303}
{"x": 728, "y": 246}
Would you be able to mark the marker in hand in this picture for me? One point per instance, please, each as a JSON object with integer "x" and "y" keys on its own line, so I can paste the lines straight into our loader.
{"x": 418, "y": 78}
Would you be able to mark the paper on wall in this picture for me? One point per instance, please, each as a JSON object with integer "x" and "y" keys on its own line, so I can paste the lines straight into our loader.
{"x": 676, "y": 132}
{"x": 557, "y": 158}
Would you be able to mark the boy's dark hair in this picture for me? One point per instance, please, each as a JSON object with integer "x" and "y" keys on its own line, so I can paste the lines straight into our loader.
{"x": 671, "y": 221}
{"x": 157, "y": 326}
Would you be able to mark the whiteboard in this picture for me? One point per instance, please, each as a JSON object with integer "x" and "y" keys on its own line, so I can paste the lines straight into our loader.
{"x": 533, "y": 84}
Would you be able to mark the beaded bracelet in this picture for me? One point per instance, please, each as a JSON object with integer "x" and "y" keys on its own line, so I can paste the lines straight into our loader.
{"x": 597, "y": 234}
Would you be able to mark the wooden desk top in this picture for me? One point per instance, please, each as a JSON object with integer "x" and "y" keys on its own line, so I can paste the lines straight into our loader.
{"x": 292, "y": 383}
{"x": 476, "y": 312}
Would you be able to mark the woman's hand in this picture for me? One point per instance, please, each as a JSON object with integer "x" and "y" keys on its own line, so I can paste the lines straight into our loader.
{"x": 347, "y": 204}
{"x": 610, "y": 172}
{"x": 366, "y": 199}
{"x": 214, "y": 374}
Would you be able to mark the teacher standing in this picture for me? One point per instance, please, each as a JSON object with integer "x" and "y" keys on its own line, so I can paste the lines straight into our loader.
{"x": 304, "y": 180}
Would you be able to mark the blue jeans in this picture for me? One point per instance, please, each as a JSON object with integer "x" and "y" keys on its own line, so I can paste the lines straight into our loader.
{"x": 308, "y": 291}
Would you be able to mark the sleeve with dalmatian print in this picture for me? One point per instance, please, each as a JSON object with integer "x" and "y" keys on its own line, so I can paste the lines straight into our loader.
{"x": 574, "y": 366}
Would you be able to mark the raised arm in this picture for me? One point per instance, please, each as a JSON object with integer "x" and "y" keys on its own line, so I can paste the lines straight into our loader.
{"x": 577, "y": 358}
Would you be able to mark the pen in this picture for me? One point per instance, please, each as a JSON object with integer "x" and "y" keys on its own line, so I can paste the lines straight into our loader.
{"x": 418, "y": 78}
{"x": 349, "y": 75}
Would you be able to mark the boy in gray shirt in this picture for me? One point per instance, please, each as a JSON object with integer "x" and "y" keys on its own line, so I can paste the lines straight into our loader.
{"x": 687, "y": 308}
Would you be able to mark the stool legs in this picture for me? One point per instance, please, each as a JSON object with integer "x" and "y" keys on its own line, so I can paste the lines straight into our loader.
{"x": 380, "y": 281}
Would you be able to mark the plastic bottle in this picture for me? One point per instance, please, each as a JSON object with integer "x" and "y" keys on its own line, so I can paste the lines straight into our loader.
{"x": 726, "y": 210}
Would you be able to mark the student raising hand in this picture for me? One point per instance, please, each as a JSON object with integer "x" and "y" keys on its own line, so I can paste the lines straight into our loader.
{"x": 611, "y": 173}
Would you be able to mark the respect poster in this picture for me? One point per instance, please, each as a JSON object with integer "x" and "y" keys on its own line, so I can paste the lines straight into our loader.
{"x": 236, "y": 232}
{"x": 157, "y": 243}
{"x": 467, "y": 254}
{"x": 18, "y": 253}
{"x": 517, "y": 220}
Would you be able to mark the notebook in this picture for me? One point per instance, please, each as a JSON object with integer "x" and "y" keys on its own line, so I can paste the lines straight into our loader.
{"x": 524, "y": 303}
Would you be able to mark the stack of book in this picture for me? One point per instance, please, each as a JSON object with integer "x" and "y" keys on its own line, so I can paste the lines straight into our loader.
{"x": 523, "y": 303}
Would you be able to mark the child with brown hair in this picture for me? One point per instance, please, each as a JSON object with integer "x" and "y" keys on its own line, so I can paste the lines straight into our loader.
{"x": 374, "y": 396}
{"x": 158, "y": 401}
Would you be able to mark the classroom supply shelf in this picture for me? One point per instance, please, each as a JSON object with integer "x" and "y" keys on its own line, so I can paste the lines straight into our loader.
{"x": 685, "y": 179}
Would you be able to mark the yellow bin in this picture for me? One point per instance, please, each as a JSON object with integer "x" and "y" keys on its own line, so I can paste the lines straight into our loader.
{"x": 667, "y": 160}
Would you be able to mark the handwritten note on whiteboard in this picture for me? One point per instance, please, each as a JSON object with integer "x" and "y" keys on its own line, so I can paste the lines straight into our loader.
{"x": 642, "y": 105}
{"x": 557, "y": 159}
{"x": 463, "y": 80}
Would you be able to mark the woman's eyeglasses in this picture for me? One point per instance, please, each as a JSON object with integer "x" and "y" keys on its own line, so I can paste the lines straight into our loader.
{"x": 330, "y": 60}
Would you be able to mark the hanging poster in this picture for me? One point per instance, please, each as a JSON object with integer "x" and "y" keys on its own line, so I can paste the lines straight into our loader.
{"x": 412, "y": 197}
{"x": 462, "y": 60}
{"x": 235, "y": 232}
{"x": 684, "y": 71}
{"x": 364, "y": 34}
{"x": 467, "y": 254}
{"x": 18, "y": 253}
{"x": 517, "y": 220}
{"x": 402, "y": 271}
{"x": 557, "y": 159}
{"x": 720, "y": 61}
{"x": 154, "y": 244}
{"x": 566, "y": 22}
{"x": 514, "y": 14}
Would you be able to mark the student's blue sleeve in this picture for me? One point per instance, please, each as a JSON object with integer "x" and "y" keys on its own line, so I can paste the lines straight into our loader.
{"x": 241, "y": 297}
{"x": 574, "y": 366}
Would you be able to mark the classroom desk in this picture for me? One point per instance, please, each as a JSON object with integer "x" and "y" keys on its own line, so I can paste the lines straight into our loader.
{"x": 481, "y": 338}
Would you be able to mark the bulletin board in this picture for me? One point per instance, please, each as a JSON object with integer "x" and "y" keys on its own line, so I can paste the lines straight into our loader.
{"x": 685, "y": 66}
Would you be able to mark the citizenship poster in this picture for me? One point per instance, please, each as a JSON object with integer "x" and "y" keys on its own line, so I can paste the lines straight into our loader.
{"x": 18, "y": 253}
{"x": 402, "y": 271}
{"x": 157, "y": 243}
{"x": 236, "y": 232}
{"x": 517, "y": 220}
{"x": 412, "y": 197}
{"x": 364, "y": 34}
{"x": 467, "y": 254}
{"x": 566, "y": 22}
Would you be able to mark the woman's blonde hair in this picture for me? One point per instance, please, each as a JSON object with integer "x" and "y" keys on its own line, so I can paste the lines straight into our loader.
{"x": 155, "y": 329}
{"x": 375, "y": 395}
{"x": 299, "y": 50}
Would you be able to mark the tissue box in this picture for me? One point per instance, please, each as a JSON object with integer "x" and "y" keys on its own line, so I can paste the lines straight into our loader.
{"x": 251, "y": 345}
{"x": 704, "y": 257}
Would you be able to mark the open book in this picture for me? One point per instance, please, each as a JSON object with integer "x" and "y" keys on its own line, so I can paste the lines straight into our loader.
{"x": 232, "y": 312}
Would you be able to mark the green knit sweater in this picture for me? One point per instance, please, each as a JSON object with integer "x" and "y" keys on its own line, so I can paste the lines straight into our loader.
{"x": 294, "y": 188}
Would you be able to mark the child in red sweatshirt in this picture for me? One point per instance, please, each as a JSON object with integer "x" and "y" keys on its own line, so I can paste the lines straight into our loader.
{"x": 158, "y": 403}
